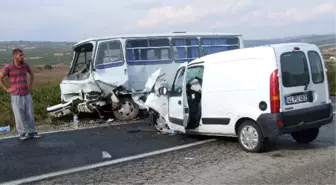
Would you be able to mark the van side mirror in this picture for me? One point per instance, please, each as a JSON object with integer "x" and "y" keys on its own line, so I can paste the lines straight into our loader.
{"x": 163, "y": 90}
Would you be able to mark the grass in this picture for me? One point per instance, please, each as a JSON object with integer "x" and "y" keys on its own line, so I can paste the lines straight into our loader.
{"x": 46, "y": 92}
{"x": 43, "y": 96}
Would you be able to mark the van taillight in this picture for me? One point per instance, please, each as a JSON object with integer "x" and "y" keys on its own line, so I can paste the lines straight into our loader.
{"x": 274, "y": 92}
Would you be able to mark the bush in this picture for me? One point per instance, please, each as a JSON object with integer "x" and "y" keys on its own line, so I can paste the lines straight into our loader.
{"x": 43, "y": 96}
{"x": 331, "y": 73}
{"x": 48, "y": 67}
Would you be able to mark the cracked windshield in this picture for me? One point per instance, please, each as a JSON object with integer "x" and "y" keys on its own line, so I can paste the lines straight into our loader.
{"x": 179, "y": 92}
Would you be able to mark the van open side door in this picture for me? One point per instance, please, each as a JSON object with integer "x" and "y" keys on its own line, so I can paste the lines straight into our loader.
{"x": 185, "y": 101}
{"x": 177, "y": 110}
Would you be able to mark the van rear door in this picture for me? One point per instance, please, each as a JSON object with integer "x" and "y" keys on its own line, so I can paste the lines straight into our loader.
{"x": 302, "y": 77}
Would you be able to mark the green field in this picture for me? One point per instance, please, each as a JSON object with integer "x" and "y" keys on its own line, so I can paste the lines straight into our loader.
{"x": 45, "y": 50}
{"x": 43, "y": 96}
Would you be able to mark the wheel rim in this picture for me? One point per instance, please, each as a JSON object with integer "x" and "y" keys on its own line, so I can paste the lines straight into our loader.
{"x": 249, "y": 137}
{"x": 126, "y": 108}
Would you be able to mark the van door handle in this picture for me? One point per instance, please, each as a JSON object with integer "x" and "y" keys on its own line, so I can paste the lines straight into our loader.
{"x": 125, "y": 70}
{"x": 179, "y": 102}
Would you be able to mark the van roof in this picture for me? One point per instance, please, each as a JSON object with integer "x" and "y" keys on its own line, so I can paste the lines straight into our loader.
{"x": 250, "y": 51}
{"x": 289, "y": 44}
{"x": 172, "y": 34}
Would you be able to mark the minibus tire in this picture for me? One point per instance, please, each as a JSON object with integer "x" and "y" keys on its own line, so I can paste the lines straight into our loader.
{"x": 135, "y": 113}
{"x": 260, "y": 147}
{"x": 305, "y": 136}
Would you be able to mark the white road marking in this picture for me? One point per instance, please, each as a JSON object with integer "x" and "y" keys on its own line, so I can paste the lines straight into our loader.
{"x": 106, "y": 155}
{"x": 107, "y": 163}
{"x": 83, "y": 128}
{"x": 334, "y": 112}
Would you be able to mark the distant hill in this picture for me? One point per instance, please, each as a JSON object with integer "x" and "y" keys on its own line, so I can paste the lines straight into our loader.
{"x": 320, "y": 40}
{"x": 44, "y": 52}
{"x": 38, "y": 52}
{"x": 326, "y": 43}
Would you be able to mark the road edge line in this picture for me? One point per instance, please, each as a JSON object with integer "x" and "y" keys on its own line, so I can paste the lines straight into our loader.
{"x": 83, "y": 128}
{"x": 103, "y": 164}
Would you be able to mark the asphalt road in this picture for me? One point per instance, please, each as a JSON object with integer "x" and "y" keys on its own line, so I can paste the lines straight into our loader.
{"x": 219, "y": 162}
{"x": 64, "y": 150}
{"x": 223, "y": 162}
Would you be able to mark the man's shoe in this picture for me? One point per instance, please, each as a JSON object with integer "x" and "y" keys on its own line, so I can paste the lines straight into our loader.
{"x": 23, "y": 137}
{"x": 34, "y": 135}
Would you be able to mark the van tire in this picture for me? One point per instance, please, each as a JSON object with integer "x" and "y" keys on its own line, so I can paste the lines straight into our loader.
{"x": 260, "y": 146}
{"x": 305, "y": 136}
{"x": 126, "y": 117}
{"x": 153, "y": 117}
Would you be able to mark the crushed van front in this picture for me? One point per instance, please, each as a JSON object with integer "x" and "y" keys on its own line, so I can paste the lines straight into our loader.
{"x": 156, "y": 104}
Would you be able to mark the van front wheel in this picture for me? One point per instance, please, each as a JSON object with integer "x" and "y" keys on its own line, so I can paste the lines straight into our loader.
{"x": 305, "y": 136}
{"x": 250, "y": 137}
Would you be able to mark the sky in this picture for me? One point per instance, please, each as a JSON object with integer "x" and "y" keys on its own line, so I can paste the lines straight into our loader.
{"x": 74, "y": 20}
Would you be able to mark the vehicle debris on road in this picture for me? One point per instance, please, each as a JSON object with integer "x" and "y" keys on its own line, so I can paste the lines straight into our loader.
{"x": 5, "y": 129}
{"x": 106, "y": 155}
{"x": 170, "y": 132}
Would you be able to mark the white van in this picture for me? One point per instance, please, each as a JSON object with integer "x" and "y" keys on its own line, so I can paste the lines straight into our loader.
{"x": 252, "y": 93}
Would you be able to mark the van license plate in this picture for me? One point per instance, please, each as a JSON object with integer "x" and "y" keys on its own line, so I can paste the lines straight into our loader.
{"x": 296, "y": 99}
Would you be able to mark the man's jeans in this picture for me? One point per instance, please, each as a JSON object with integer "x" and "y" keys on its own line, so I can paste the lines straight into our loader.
{"x": 24, "y": 113}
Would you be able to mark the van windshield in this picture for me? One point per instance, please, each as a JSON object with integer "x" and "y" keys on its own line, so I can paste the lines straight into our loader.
{"x": 294, "y": 69}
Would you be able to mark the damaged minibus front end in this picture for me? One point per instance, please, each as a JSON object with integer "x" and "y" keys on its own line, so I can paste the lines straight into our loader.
{"x": 88, "y": 90}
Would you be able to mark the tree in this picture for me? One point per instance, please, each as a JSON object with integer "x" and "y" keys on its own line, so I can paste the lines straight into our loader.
{"x": 331, "y": 73}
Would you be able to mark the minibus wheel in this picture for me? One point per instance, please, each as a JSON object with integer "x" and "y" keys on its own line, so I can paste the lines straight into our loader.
{"x": 305, "y": 136}
{"x": 127, "y": 109}
{"x": 250, "y": 137}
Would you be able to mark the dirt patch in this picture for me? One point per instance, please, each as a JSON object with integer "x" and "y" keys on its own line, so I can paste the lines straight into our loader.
{"x": 329, "y": 52}
{"x": 52, "y": 76}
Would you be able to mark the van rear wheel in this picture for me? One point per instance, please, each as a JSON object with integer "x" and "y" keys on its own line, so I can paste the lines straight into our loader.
{"x": 305, "y": 136}
{"x": 250, "y": 137}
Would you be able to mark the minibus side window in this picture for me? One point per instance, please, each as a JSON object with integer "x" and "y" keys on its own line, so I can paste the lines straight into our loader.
{"x": 148, "y": 51}
{"x": 185, "y": 49}
{"x": 109, "y": 53}
{"x": 316, "y": 67}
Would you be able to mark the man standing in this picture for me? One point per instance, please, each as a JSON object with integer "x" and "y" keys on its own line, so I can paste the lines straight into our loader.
{"x": 21, "y": 99}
